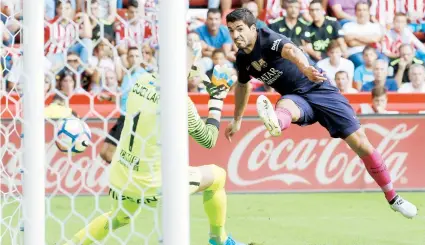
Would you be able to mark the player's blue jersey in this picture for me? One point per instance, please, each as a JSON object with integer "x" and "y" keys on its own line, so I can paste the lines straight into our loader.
{"x": 265, "y": 63}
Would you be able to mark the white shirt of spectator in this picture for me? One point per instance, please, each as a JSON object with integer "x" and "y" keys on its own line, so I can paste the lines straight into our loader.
{"x": 363, "y": 30}
{"x": 134, "y": 33}
{"x": 344, "y": 65}
{"x": 62, "y": 36}
{"x": 18, "y": 69}
{"x": 104, "y": 6}
{"x": 408, "y": 88}
{"x": 352, "y": 90}
{"x": 406, "y": 37}
{"x": 367, "y": 109}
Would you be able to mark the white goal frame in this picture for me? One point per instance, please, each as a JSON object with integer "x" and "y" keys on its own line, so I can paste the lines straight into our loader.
{"x": 173, "y": 123}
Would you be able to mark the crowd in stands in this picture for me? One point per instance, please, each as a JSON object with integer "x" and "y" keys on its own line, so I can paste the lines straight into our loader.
{"x": 102, "y": 46}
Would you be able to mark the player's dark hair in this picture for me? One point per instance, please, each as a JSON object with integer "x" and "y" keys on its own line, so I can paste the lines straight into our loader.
{"x": 316, "y": 1}
{"x": 367, "y": 48}
{"x": 378, "y": 91}
{"x": 360, "y": 3}
{"x": 133, "y": 3}
{"x": 213, "y": 11}
{"x": 243, "y": 15}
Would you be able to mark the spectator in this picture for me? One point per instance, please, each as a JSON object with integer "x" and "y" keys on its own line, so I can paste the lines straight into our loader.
{"x": 290, "y": 26}
{"x": 107, "y": 11}
{"x": 104, "y": 58}
{"x": 226, "y": 5}
{"x": 380, "y": 71}
{"x": 109, "y": 83}
{"x": 277, "y": 8}
{"x": 361, "y": 33}
{"x": 253, "y": 7}
{"x": 67, "y": 84}
{"x": 383, "y": 11}
{"x": 399, "y": 35}
{"x": 400, "y": 67}
{"x": 62, "y": 35}
{"x": 15, "y": 78}
{"x": 136, "y": 30}
{"x": 379, "y": 103}
{"x": 149, "y": 61}
{"x": 214, "y": 35}
{"x": 131, "y": 75}
{"x": 218, "y": 58}
{"x": 344, "y": 10}
{"x": 83, "y": 73}
{"x": 364, "y": 73}
{"x": 93, "y": 10}
{"x": 335, "y": 63}
{"x": 417, "y": 80}
{"x": 343, "y": 83}
{"x": 322, "y": 32}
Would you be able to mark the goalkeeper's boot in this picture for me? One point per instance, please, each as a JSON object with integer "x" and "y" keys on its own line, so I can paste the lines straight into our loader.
{"x": 267, "y": 114}
{"x": 406, "y": 208}
{"x": 229, "y": 241}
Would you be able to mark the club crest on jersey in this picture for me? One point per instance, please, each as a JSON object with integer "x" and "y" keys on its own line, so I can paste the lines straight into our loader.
{"x": 258, "y": 65}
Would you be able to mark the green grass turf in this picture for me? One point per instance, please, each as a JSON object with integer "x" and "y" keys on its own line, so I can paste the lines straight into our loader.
{"x": 271, "y": 219}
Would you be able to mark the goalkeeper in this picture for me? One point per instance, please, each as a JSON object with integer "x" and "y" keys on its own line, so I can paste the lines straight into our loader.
{"x": 135, "y": 174}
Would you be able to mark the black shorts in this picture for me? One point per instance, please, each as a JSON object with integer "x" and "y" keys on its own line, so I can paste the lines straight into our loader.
{"x": 115, "y": 132}
{"x": 326, "y": 105}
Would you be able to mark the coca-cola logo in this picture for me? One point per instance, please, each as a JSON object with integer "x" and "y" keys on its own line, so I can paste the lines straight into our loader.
{"x": 82, "y": 173}
{"x": 283, "y": 159}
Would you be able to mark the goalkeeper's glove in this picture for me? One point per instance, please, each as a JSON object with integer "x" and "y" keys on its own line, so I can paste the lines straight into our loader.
{"x": 220, "y": 83}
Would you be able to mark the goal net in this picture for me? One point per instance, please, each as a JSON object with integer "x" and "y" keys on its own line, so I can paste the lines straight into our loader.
{"x": 94, "y": 50}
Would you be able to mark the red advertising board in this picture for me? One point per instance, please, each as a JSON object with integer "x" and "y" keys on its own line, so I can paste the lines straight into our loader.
{"x": 303, "y": 159}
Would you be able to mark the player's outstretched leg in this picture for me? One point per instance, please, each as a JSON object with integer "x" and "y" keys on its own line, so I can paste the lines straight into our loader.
{"x": 211, "y": 180}
{"x": 100, "y": 227}
{"x": 376, "y": 167}
{"x": 280, "y": 119}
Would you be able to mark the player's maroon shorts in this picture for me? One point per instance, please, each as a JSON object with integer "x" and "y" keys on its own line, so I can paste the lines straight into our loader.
{"x": 326, "y": 105}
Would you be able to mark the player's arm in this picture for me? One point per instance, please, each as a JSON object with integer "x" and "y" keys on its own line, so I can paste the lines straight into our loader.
{"x": 242, "y": 92}
{"x": 205, "y": 133}
{"x": 296, "y": 56}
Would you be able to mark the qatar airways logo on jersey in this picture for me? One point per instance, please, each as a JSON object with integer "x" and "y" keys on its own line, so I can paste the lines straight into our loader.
{"x": 270, "y": 76}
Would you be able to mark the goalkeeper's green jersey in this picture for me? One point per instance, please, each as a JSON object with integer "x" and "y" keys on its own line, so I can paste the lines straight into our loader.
{"x": 136, "y": 167}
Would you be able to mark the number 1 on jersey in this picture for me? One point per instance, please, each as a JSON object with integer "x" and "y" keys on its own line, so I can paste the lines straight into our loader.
{"x": 133, "y": 130}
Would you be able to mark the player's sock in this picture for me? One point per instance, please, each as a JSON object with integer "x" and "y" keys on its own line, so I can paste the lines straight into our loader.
{"x": 284, "y": 116}
{"x": 378, "y": 170}
{"x": 97, "y": 230}
{"x": 215, "y": 205}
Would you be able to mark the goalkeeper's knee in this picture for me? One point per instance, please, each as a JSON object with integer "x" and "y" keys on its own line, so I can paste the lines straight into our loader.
{"x": 219, "y": 178}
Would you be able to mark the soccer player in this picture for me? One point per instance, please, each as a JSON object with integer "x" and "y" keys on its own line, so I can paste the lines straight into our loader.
{"x": 135, "y": 174}
{"x": 307, "y": 97}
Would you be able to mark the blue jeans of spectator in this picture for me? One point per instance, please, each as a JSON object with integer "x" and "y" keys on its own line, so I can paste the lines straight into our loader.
{"x": 357, "y": 58}
{"x": 83, "y": 49}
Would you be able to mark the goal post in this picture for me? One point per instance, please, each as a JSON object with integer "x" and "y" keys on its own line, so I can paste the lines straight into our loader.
{"x": 33, "y": 124}
{"x": 173, "y": 122}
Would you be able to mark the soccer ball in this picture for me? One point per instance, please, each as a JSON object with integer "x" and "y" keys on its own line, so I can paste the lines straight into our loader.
{"x": 73, "y": 135}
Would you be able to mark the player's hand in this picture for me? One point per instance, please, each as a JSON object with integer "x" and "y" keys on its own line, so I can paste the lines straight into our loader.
{"x": 314, "y": 75}
{"x": 232, "y": 128}
{"x": 221, "y": 80}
